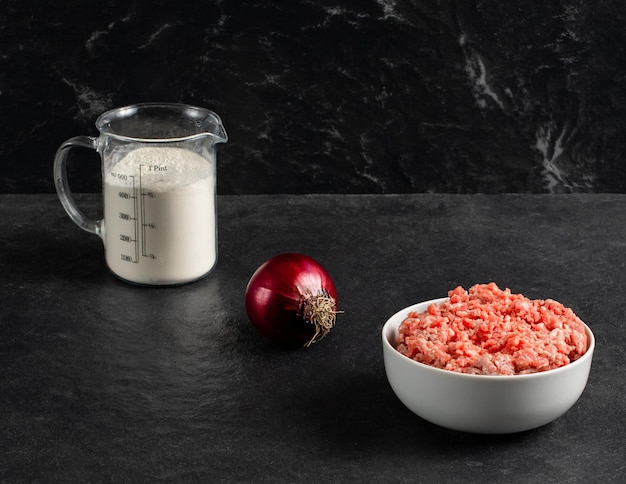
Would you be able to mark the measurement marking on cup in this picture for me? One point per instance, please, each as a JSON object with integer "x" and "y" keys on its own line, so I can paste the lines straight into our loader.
{"x": 136, "y": 220}
{"x": 137, "y": 214}
{"x": 147, "y": 194}
{"x": 129, "y": 217}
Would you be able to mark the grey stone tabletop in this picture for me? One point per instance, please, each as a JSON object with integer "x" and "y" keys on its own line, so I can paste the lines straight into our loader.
{"x": 103, "y": 381}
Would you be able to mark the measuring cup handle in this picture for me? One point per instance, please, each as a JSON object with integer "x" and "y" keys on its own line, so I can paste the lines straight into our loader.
{"x": 63, "y": 187}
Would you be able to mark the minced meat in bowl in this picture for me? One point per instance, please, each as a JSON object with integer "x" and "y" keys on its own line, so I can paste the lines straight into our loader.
{"x": 486, "y": 360}
{"x": 490, "y": 331}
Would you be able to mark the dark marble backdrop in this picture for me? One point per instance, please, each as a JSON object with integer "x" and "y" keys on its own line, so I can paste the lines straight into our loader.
{"x": 328, "y": 96}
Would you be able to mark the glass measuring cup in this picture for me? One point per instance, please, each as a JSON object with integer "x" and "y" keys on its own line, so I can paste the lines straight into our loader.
{"x": 159, "y": 191}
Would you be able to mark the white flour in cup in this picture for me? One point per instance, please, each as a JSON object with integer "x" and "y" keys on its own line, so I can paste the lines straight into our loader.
{"x": 159, "y": 216}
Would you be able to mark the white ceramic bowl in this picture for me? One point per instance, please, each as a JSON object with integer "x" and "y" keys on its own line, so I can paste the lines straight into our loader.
{"x": 486, "y": 404}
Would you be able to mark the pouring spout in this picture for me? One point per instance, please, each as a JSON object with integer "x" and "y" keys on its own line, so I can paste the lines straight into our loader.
{"x": 220, "y": 135}
{"x": 215, "y": 128}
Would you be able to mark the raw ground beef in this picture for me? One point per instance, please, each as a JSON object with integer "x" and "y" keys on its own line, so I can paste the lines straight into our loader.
{"x": 489, "y": 331}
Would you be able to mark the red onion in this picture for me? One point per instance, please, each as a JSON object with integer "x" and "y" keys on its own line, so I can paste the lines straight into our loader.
{"x": 291, "y": 299}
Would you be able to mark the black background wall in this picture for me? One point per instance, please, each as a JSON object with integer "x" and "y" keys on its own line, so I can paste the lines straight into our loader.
{"x": 327, "y": 96}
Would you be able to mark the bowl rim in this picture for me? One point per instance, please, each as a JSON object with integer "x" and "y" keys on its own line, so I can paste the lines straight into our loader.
{"x": 396, "y": 319}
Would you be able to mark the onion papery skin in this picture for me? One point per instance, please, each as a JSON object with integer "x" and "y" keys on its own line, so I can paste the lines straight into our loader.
{"x": 275, "y": 293}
